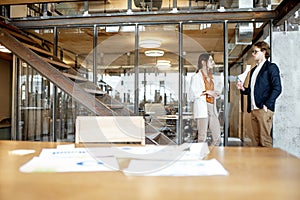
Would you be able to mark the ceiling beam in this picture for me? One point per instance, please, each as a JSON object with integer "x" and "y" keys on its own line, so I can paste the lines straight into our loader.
{"x": 285, "y": 10}
{"x": 127, "y": 19}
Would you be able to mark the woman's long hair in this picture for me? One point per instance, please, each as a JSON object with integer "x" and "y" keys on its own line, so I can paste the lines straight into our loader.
{"x": 205, "y": 57}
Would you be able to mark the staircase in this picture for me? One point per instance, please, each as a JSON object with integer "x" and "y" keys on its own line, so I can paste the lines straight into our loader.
{"x": 62, "y": 75}
{"x": 33, "y": 120}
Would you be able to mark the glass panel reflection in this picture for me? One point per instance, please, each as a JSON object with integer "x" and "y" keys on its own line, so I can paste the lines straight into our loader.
{"x": 158, "y": 78}
{"x": 36, "y": 101}
{"x": 198, "y": 116}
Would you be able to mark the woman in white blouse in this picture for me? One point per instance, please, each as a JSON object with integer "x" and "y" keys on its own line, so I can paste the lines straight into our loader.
{"x": 203, "y": 96}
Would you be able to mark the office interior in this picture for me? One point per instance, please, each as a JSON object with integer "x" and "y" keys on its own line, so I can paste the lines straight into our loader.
{"x": 66, "y": 59}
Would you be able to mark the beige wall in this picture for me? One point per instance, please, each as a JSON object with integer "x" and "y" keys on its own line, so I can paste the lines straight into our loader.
{"x": 5, "y": 88}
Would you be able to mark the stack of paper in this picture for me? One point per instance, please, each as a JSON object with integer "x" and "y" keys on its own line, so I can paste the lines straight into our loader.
{"x": 149, "y": 160}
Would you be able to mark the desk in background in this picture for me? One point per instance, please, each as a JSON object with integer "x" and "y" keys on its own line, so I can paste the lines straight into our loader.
{"x": 255, "y": 173}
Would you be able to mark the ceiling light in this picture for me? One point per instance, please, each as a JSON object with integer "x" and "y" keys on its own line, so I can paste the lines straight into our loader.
{"x": 131, "y": 28}
{"x": 150, "y": 43}
{"x": 204, "y": 26}
{"x": 127, "y": 28}
{"x": 163, "y": 64}
{"x": 112, "y": 29}
{"x": 154, "y": 53}
{"x": 4, "y": 49}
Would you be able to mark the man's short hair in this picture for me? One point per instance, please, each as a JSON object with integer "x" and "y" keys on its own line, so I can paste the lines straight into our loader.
{"x": 263, "y": 47}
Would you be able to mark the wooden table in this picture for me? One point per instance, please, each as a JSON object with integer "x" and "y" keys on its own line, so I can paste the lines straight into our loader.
{"x": 255, "y": 173}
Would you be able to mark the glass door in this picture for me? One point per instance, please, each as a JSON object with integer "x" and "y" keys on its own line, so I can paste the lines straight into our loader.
{"x": 203, "y": 114}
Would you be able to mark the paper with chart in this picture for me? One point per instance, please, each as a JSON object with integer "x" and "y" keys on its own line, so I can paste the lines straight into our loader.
{"x": 242, "y": 77}
{"x": 177, "y": 168}
{"x": 70, "y": 160}
{"x": 148, "y": 160}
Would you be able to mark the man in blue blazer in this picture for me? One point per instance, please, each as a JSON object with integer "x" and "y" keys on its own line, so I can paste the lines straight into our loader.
{"x": 263, "y": 89}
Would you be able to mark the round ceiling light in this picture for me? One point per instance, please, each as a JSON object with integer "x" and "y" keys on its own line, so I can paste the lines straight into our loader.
{"x": 163, "y": 64}
{"x": 154, "y": 53}
{"x": 150, "y": 43}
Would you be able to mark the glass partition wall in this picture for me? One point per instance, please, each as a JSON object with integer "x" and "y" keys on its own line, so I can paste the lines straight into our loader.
{"x": 115, "y": 65}
{"x": 199, "y": 39}
{"x": 159, "y": 77}
{"x": 38, "y": 104}
{"x": 145, "y": 68}
{"x": 240, "y": 60}
{"x": 140, "y": 69}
